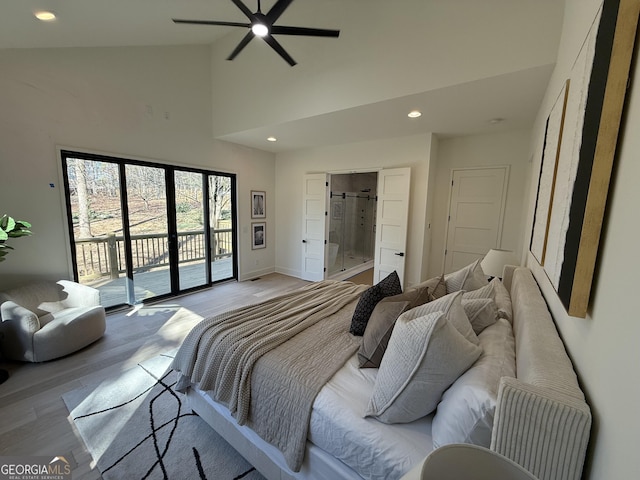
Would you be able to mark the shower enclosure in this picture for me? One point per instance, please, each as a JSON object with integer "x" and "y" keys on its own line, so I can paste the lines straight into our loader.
{"x": 351, "y": 230}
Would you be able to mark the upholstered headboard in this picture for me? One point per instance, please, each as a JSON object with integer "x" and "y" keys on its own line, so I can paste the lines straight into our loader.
{"x": 542, "y": 421}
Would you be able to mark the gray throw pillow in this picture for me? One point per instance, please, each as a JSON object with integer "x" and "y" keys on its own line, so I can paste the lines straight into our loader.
{"x": 436, "y": 285}
{"x": 376, "y": 336}
{"x": 468, "y": 278}
{"x": 451, "y": 305}
{"x": 482, "y": 312}
{"x": 498, "y": 292}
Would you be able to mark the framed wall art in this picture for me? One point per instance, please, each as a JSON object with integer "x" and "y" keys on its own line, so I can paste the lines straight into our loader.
{"x": 258, "y": 235}
{"x": 258, "y": 204}
{"x": 567, "y": 246}
{"x": 548, "y": 173}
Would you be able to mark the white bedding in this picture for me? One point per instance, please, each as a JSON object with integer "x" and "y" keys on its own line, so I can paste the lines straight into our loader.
{"x": 372, "y": 448}
{"x": 542, "y": 410}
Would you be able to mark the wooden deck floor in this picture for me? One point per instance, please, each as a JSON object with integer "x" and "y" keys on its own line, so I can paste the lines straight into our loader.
{"x": 157, "y": 282}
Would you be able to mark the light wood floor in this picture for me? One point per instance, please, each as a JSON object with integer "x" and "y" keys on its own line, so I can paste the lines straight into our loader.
{"x": 33, "y": 417}
{"x": 363, "y": 278}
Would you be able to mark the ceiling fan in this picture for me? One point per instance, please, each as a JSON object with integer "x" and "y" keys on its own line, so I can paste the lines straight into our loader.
{"x": 262, "y": 25}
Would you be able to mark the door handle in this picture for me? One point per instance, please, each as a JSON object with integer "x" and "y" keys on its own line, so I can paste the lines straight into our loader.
{"x": 400, "y": 254}
{"x": 304, "y": 241}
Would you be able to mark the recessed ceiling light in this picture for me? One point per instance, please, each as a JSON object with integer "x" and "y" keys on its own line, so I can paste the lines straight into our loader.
{"x": 414, "y": 114}
{"x": 495, "y": 121}
{"x": 272, "y": 139}
{"x": 45, "y": 16}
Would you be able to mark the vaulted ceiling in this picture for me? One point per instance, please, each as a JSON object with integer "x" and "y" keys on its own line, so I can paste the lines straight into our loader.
{"x": 463, "y": 63}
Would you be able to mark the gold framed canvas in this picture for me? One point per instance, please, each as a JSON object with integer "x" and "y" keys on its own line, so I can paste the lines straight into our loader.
{"x": 548, "y": 172}
{"x": 586, "y": 155}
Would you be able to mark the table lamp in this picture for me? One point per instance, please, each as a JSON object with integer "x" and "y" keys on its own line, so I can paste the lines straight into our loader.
{"x": 494, "y": 261}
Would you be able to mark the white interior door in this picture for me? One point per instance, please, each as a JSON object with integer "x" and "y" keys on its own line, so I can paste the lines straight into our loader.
{"x": 391, "y": 222}
{"x": 314, "y": 220}
{"x": 476, "y": 212}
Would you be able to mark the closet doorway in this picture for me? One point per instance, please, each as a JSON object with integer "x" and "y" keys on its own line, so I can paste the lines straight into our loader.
{"x": 352, "y": 222}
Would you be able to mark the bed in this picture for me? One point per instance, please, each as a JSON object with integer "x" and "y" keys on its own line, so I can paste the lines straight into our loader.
{"x": 528, "y": 407}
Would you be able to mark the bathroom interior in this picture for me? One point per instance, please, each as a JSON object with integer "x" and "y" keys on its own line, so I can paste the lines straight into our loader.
{"x": 352, "y": 218}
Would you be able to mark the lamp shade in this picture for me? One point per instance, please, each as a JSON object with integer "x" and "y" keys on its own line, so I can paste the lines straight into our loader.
{"x": 494, "y": 261}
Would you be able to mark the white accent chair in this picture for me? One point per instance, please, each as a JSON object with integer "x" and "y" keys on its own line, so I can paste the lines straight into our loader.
{"x": 467, "y": 462}
{"x": 46, "y": 320}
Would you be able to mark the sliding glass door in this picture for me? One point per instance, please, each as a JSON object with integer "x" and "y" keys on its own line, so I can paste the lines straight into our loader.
{"x": 190, "y": 227}
{"x": 140, "y": 230}
{"x": 148, "y": 231}
{"x": 221, "y": 224}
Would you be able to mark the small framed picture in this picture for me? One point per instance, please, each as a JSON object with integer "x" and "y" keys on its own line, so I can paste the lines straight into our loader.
{"x": 258, "y": 234}
{"x": 258, "y": 204}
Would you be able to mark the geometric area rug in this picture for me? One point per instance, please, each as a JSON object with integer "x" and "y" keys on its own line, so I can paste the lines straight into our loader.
{"x": 137, "y": 427}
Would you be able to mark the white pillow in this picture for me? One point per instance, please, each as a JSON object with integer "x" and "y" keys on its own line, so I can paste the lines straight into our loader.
{"x": 451, "y": 306}
{"x": 465, "y": 414}
{"x": 482, "y": 312}
{"x": 496, "y": 290}
{"x": 468, "y": 278}
{"x": 424, "y": 357}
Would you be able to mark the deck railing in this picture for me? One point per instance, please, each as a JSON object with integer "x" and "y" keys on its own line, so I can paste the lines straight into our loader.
{"x": 104, "y": 256}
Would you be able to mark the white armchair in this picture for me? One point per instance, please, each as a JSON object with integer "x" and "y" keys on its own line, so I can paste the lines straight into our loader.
{"x": 46, "y": 320}
{"x": 461, "y": 461}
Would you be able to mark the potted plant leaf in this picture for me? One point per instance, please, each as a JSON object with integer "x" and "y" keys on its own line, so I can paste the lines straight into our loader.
{"x": 11, "y": 228}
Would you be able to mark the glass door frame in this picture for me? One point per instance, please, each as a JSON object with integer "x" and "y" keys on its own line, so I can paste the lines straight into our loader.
{"x": 172, "y": 233}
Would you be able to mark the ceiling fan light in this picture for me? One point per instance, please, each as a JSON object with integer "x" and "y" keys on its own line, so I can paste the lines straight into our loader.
{"x": 259, "y": 29}
{"x": 45, "y": 16}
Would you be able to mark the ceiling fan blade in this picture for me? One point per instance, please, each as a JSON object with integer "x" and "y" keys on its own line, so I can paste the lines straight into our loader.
{"x": 244, "y": 8}
{"x": 211, "y": 22}
{"x": 278, "y": 48}
{"x": 243, "y": 43}
{"x": 310, "y": 32}
{"x": 277, "y": 10}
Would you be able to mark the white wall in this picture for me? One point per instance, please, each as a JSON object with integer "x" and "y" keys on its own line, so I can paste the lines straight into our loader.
{"x": 371, "y": 61}
{"x": 604, "y": 346}
{"x": 410, "y": 151}
{"x": 509, "y": 148}
{"x": 107, "y": 100}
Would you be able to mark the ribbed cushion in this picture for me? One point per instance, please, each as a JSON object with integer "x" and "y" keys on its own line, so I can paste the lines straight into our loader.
{"x": 542, "y": 359}
{"x": 542, "y": 421}
{"x": 544, "y": 431}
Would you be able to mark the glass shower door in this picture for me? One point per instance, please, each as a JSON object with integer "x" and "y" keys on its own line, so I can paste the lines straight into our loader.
{"x": 335, "y": 250}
